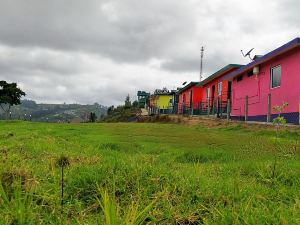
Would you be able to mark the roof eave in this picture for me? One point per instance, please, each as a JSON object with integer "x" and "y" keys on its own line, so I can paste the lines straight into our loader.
{"x": 219, "y": 73}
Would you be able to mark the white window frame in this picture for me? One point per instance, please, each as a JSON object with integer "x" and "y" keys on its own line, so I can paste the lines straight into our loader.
{"x": 220, "y": 88}
{"x": 271, "y": 76}
{"x": 208, "y": 93}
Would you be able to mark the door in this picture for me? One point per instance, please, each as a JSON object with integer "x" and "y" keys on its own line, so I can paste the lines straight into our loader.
{"x": 213, "y": 90}
{"x": 229, "y": 90}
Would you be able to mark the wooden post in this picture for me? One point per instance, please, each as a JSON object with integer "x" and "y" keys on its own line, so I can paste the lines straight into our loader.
{"x": 213, "y": 107}
{"x": 246, "y": 108}
{"x": 228, "y": 109}
{"x": 269, "y": 109}
{"x": 192, "y": 109}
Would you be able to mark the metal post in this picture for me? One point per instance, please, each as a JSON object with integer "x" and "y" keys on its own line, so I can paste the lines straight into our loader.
{"x": 208, "y": 108}
{"x": 299, "y": 111}
{"x": 269, "y": 109}
{"x": 246, "y": 108}
{"x": 199, "y": 108}
{"x": 228, "y": 109}
{"x": 218, "y": 108}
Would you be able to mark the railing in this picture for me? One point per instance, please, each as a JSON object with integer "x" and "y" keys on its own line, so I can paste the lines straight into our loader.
{"x": 216, "y": 107}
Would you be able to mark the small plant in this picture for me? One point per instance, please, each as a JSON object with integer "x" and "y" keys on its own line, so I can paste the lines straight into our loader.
{"x": 17, "y": 206}
{"x": 131, "y": 216}
{"x": 62, "y": 162}
{"x": 279, "y": 122}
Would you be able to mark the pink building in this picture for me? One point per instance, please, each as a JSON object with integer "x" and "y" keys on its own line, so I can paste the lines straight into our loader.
{"x": 266, "y": 82}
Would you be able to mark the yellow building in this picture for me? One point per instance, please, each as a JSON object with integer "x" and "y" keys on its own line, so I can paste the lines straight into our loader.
{"x": 163, "y": 101}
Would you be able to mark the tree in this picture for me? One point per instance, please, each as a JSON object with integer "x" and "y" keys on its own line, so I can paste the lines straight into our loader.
{"x": 10, "y": 95}
{"x": 93, "y": 117}
{"x": 127, "y": 102}
{"x": 135, "y": 104}
{"x": 110, "y": 110}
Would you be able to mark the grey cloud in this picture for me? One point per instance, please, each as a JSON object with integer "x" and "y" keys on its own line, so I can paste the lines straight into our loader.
{"x": 137, "y": 32}
{"x": 100, "y": 50}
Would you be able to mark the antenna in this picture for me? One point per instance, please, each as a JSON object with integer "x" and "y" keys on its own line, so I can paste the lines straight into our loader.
{"x": 201, "y": 62}
{"x": 248, "y": 54}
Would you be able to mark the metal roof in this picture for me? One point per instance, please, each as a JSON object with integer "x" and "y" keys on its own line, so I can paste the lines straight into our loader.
{"x": 284, "y": 48}
{"x": 191, "y": 84}
{"x": 219, "y": 73}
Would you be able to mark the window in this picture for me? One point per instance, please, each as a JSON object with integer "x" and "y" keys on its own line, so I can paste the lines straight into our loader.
{"x": 207, "y": 92}
{"x": 239, "y": 78}
{"x": 219, "y": 88}
{"x": 275, "y": 77}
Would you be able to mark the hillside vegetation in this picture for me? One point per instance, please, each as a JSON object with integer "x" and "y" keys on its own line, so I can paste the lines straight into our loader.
{"x": 32, "y": 111}
{"x": 177, "y": 174}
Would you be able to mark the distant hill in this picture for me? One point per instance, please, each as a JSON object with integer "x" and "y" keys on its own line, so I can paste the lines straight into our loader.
{"x": 30, "y": 110}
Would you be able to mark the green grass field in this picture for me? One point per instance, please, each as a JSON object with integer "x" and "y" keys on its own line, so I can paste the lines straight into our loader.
{"x": 181, "y": 174}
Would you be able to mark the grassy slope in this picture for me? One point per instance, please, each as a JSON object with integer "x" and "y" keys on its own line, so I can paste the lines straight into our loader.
{"x": 193, "y": 173}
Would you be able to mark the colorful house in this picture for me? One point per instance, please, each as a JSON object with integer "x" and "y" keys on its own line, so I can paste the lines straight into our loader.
{"x": 189, "y": 97}
{"x": 162, "y": 101}
{"x": 266, "y": 82}
{"x": 216, "y": 91}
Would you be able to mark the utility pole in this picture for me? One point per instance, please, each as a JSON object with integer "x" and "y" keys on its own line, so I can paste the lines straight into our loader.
{"x": 201, "y": 62}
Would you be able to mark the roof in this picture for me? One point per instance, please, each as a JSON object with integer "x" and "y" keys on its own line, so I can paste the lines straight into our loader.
{"x": 162, "y": 94}
{"x": 219, "y": 73}
{"x": 283, "y": 49}
{"x": 191, "y": 84}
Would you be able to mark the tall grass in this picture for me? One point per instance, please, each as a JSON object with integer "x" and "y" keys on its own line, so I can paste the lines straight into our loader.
{"x": 195, "y": 174}
{"x": 19, "y": 207}
{"x": 133, "y": 215}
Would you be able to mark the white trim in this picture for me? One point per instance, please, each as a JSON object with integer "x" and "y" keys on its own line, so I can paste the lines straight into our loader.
{"x": 220, "y": 84}
{"x": 207, "y": 92}
{"x": 271, "y": 76}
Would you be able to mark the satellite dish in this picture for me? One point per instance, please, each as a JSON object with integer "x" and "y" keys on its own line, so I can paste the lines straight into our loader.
{"x": 248, "y": 54}
{"x": 184, "y": 83}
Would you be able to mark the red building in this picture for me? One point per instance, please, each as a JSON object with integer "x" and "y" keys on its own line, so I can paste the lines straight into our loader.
{"x": 190, "y": 97}
{"x": 216, "y": 90}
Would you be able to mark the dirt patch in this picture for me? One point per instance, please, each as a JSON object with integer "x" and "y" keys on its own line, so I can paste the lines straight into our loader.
{"x": 213, "y": 122}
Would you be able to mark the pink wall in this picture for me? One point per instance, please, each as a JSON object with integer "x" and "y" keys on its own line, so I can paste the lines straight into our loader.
{"x": 258, "y": 88}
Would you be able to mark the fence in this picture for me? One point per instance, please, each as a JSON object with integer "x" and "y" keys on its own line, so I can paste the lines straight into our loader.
{"x": 216, "y": 107}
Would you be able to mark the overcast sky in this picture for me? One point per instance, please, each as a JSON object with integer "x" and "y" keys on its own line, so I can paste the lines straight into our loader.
{"x": 88, "y": 51}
